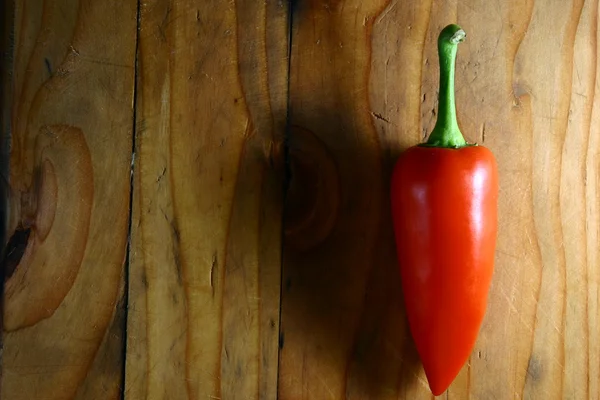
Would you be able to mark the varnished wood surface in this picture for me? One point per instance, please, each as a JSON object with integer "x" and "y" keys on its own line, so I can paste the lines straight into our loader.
{"x": 261, "y": 262}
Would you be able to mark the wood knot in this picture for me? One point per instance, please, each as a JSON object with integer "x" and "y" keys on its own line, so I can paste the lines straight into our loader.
{"x": 55, "y": 212}
{"x": 38, "y": 204}
{"x": 313, "y": 195}
{"x": 520, "y": 92}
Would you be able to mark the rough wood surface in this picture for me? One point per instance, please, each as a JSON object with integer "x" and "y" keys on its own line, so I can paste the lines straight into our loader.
{"x": 219, "y": 256}
{"x": 71, "y": 126}
{"x": 362, "y": 88}
{"x": 206, "y": 255}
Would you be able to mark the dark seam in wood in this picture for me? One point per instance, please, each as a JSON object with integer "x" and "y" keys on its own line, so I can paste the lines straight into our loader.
{"x": 127, "y": 266}
{"x": 284, "y": 188}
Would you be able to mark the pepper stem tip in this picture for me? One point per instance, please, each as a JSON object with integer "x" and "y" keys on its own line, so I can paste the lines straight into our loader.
{"x": 459, "y": 36}
{"x": 452, "y": 33}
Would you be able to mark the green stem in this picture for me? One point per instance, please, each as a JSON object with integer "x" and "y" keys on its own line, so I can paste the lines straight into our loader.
{"x": 446, "y": 132}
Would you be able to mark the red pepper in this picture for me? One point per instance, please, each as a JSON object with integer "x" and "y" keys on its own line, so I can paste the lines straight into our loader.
{"x": 444, "y": 205}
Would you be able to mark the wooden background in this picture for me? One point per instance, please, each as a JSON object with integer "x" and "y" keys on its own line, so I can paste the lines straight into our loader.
{"x": 198, "y": 196}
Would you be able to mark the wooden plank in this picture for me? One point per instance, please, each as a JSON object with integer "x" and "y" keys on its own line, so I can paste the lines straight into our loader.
{"x": 71, "y": 126}
{"x": 6, "y": 67}
{"x": 362, "y": 88}
{"x": 206, "y": 256}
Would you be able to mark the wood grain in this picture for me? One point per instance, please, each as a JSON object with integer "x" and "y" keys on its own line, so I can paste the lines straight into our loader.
{"x": 206, "y": 252}
{"x": 242, "y": 115}
{"x": 363, "y": 84}
{"x": 71, "y": 126}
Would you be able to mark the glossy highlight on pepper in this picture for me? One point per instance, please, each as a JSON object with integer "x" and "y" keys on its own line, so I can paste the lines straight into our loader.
{"x": 444, "y": 204}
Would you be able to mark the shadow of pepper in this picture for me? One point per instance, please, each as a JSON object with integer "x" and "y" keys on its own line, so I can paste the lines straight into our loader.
{"x": 344, "y": 332}
{"x": 343, "y": 315}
